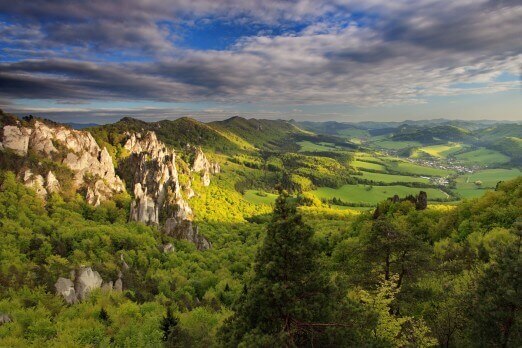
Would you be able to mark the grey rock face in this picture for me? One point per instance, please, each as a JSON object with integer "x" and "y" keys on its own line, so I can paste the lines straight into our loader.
{"x": 157, "y": 191}
{"x": 168, "y": 248}
{"x": 4, "y": 319}
{"x": 85, "y": 281}
{"x": 77, "y": 150}
{"x": 202, "y": 165}
{"x": 65, "y": 288}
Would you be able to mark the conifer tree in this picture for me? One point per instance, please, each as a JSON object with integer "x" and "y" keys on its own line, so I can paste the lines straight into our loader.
{"x": 286, "y": 300}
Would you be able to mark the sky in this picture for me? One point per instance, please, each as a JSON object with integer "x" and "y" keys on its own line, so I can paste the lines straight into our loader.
{"x": 345, "y": 60}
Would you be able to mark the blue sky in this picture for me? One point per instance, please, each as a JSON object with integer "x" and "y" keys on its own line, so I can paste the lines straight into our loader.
{"x": 341, "y": 60}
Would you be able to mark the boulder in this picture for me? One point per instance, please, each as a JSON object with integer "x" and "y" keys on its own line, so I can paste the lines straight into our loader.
{"x": 168, "y": 248}
{"x": 85, "y": 281}
{"x": 51, "y": 183}
{"x": 4, "y": 319}
{"x": 16, "y": 139}
{"x": 65, "y": 288}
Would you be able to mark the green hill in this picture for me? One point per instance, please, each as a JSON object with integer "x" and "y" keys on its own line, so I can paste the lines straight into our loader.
{"x": 270, "y": 134}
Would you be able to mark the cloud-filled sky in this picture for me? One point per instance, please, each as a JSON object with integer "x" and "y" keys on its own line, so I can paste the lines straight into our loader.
{"x": 346, "y": 60}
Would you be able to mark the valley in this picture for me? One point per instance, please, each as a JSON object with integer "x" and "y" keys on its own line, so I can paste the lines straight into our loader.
{"x": 125, "y": 220}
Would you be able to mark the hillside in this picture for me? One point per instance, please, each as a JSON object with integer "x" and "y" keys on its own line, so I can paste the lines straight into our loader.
{"x": 430, "y": 135}
{"x": 176, "y": 133}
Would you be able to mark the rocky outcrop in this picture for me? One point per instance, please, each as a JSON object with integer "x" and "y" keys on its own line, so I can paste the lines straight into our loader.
{"x": 84, "y": 281}
{"x": 202, "y": 165}
{"x": 157, "y": 191}
{"x": 92, "y": 167}
{"x": 168, "y": 248}
{"x": 65, "y": 288}
{"x": 4, "y": 319}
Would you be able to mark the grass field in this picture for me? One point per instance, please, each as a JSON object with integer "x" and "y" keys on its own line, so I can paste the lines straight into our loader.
{"x": 253, "y": 196}
{"x": 416, "y": 169}
{"x": 395, "y": 145}
{"x": 367, "y": 165}
{"x": 354, "y": 133}
{"x": 388, "y": 178}
{"x": 360, "y": 193}
{"x": 483, "y": 156}
{"x": 441, "y": 151}
{"x": 311, "y": 147}
{"x": 489, "y": 177}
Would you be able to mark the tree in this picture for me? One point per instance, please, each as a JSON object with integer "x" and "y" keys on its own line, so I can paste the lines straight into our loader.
{"x": 287, "y": 297}
{"x": 169, "y": 326}
{"x": 498, "y": 298}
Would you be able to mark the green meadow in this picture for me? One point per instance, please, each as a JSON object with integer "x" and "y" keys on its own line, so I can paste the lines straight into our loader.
{"x": 389, "y": 178}
{"x": 488, "y": 178}
{"x": 482, "y": 156}
{"x": 373, "y": 194}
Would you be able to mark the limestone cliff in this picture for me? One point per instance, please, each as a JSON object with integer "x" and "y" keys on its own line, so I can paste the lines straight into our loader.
{"x": 202, "y": 165}
{"x": 77, "y": 150}
{"x": 158, "y": 198}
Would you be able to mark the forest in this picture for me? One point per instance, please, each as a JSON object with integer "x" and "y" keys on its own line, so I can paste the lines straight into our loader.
{"x": 289, "y": 265}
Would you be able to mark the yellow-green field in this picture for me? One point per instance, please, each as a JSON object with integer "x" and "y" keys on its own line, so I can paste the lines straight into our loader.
{"x": 375, "y": 194}
{"x": 367, "y": 165}
{"x": 259, "y": 197}
{"x": 489, "y": 178}
{"x": 483, "y": 156}
{"x": 416, "y": 169}
{"x": 388, "y": 178}
{"x": 441, "y": 151}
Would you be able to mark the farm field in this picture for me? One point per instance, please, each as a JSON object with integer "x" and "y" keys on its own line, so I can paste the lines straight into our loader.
{"x": 388, "y": 178}
{"x": 466, "y": 187}
{"x": 415, "y": 169}
{"x": 311, "y": 147}
{"x": 484, "y": 157}
{"x": 361, "y": 194}
{"x": 367, "y": 165}
{"x": 441, "y": 151}
{"x": 395, "y": 145}
{"x": 259, "y": 197}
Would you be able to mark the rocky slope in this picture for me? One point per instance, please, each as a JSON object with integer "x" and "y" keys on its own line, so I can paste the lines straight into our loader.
{"x": 158, "y": 198}
{"x": 149, "y": 170}
{"x": 92, "y": 166}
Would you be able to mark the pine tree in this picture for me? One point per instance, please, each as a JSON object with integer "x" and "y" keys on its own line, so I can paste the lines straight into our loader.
{"x": 169, "y": 325}
{"x": 286, "y": 299}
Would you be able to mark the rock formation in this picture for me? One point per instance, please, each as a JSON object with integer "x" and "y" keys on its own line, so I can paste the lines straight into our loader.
{"x": 200, "y": 164}
{"x": 85, "y": 280}
{"x": 4, "y": 319}
{"x": 157, "y": 190}
{"x": 75, "y": 149}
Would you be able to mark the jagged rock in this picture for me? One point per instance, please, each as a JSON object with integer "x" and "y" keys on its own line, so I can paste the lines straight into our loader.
{"x": 422, "y": 201}
{"x": 118, "y": 285}
{"x": 36, "y": 182}
{"x": 124, "y": 265}
{"x": 201, "y": 164}
{"x": 4, "y": 319}
{"x": 85, "y": 281}
{"x": 77, "y": 150}
{"x": 107, "y": 287}
{"x": 16, "y": 139}
{"x": 205, "y": 178}
{"x": 157, "y": 190}
{"x": 188, "y": 231}
{"x": 51, "y": 183}
{"x": 168, "y": 248}
{"x": 65, "y": 288}
{"x": 189, "y": 192}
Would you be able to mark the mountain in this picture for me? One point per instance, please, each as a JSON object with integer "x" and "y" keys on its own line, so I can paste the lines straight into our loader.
{"x": 430, "y": 135}
{"x": 261, "y": 133}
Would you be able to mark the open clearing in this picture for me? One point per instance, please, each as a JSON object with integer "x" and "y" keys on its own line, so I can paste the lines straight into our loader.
{"x": 313, "y": 147}
{"x": 415, "y": 169}
{"x": 361, "y": 193}
{"x": 259, "y": 197}
{"x": 389, "y": 178}
{"x": 441, "y": 151}
{"x": 467, "y": 188}
{"x": 395, "y": 145}
{"x": 483, "y": 156}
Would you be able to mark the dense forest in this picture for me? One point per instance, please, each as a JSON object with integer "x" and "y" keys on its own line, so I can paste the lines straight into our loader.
{"x": 284, "y": 264}
{"x": 403, "y": 277}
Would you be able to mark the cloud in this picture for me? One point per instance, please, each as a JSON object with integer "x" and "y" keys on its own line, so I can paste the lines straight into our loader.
{"x": 359, "y": 53}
